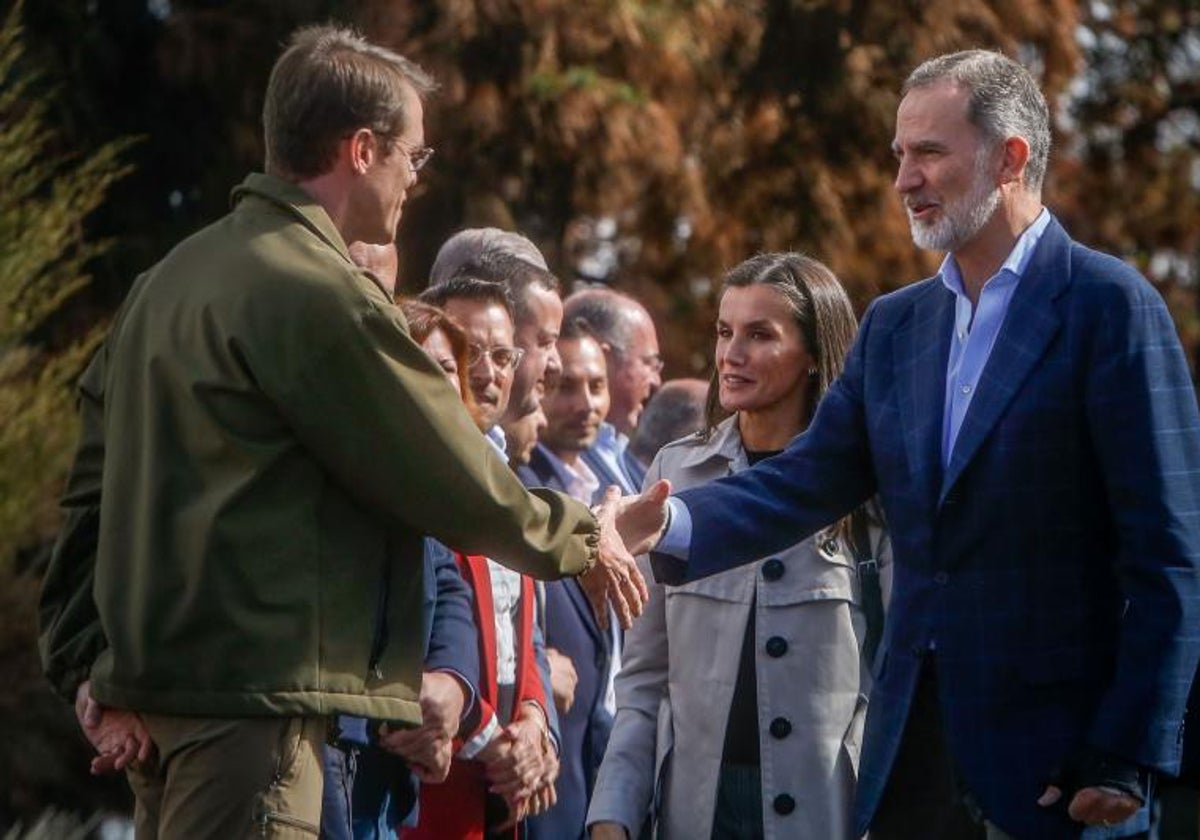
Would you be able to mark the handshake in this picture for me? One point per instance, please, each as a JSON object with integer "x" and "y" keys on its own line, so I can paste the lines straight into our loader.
{"x": 629, "y": 525}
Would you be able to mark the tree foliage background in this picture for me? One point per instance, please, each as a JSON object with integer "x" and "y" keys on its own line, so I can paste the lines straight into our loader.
{"x": 650, "y": 145}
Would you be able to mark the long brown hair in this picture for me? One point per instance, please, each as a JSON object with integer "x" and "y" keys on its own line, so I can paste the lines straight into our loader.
{"x": 821, "y": 309}
{"x": 423, "y": 319}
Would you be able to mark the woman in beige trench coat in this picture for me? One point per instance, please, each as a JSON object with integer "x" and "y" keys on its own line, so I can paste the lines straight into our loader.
{"x": 741, "y": 697}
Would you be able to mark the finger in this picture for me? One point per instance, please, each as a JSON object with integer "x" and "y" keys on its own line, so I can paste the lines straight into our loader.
{"x": 102, "y": 764}
{"x": 639, "y": 581}
{"x": 634, "y": 591}
{"x": 92, "y": 713}
{"x": 1049, "y": 796}
{"x": 126, "y": 753}
{"x": 657, "y": 492}
{"x": 599, "y": 602}
{"x": 145, "y": 747}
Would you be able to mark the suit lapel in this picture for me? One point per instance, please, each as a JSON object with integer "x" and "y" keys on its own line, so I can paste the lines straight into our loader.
{"x": 921, "y": 347}
{"x": 581, "y": 604}
{"x": 1029, "y": 326}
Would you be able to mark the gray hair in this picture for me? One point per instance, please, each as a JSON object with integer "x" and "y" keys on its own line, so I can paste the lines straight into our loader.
{"x": 473, "y": 245}
{"x": 605, "y": 311}
{"x": 1005, "y": 101}
{"x": 516, "y": 273}
{"x": 330, "y": 82}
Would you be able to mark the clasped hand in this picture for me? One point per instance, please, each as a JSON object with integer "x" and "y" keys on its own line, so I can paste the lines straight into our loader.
{"x": 119, "y": 736}
{"x": 521, "y": 765}
{"x": 429, "y": 748}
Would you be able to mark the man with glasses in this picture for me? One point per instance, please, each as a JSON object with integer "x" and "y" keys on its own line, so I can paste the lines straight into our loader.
{"x": 252, "y": 423}
{"x": 484, "y": 311}
{"x": 627, "y": 336}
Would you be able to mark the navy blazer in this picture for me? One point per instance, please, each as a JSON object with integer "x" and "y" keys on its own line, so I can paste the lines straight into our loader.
{"x": 1053, "y": 562}
{"x": 572, "y": 630}
{"x": 384, "y": 781}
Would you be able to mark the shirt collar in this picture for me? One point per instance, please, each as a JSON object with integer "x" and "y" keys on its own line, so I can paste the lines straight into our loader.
{"x": 496, "y": 438}
{"x": 572, "y": 478}
{"x": 1014, "y": 266}
{"x": 609, "y": 439}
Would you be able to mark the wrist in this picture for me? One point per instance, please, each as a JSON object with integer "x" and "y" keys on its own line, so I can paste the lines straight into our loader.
{"x": 533, "y": 712}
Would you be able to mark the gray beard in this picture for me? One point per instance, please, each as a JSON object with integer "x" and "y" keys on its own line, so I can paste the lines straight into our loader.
{"x": 960, "y": 221}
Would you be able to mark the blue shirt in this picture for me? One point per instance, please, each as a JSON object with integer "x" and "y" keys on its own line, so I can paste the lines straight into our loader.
{"x": 970, "y": 347}
{"x": 975, "y": 330}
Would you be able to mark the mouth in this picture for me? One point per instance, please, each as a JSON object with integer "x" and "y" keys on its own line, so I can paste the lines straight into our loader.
{"x": 580, "y": 429}
{"x": 732, "y": 380}
{"x": 920, "y": 210}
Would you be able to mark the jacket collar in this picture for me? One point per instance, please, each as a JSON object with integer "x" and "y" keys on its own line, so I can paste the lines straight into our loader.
{"x": 293, "y": 200}
{"x": 725, "y": 444}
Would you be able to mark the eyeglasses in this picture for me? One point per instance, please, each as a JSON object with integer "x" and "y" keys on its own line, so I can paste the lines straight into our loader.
{"x": 417, "y": 158}
{"x": 502, "y": 358}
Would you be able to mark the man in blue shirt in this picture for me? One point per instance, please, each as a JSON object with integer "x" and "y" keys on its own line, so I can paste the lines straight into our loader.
{"x": 1028, "y": 421}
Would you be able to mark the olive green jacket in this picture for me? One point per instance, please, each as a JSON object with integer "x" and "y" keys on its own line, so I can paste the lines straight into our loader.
{"x": 269, "y": 442}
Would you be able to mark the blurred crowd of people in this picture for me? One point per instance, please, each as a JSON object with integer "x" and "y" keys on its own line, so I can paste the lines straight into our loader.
{"x": 342, "y": 562}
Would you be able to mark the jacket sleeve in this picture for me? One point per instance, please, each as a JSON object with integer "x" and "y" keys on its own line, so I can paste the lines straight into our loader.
{"x": 70, "y": 633}
{"x": 1142, "y": 416}
{"x": 377, "y": 413}
{"x": 822, "y": 475}
{"x": 625, "y": 785}
{"x": 543, "y": 666}
{"x": 453, "y": 638}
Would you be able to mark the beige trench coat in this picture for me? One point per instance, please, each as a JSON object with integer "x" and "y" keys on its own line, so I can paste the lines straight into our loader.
{"x": 680, "y": 665}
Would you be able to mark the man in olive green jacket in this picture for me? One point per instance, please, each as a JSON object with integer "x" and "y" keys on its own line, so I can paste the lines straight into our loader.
{"x": 265, "y": 437}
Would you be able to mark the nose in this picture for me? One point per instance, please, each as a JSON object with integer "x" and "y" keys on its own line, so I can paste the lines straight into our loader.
{"x": 735, "y": 352}
{"x": 553, "y": 362}
{"x": 908, "y": 176}
{"x": 485, "y": 371}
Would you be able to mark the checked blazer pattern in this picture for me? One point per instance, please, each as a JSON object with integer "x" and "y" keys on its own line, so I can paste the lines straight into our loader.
{"x": 1050, "y": 568}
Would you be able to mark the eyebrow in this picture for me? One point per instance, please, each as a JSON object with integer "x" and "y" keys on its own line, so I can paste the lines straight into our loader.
{"x": 919, "y": 146}
{"x": 761, "y": 322}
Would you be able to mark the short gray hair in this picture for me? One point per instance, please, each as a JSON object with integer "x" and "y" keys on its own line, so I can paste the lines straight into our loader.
{"x": 474, "y": 244}
{"x": 1005, "y": 101}
{"x": 605, "y": 311}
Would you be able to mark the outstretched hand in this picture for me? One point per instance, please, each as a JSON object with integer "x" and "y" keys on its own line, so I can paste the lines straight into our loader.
{"x": 119, "y": 736}
{"x": 628, "y": 525}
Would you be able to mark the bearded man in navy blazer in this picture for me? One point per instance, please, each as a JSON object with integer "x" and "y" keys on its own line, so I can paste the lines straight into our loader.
{"x": 1027, "y": 419}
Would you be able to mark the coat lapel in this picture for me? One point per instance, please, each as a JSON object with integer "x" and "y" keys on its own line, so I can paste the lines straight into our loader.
{"x": 921, "y": 347}
{"x": 1029, "y": 326}
{"x": 584, "y": 608}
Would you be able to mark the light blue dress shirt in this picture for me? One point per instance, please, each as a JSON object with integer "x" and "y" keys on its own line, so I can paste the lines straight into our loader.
{"x": 975, "y": 331}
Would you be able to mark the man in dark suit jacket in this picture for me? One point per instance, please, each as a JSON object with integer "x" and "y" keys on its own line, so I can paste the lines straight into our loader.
{"x": 576, "y": 403}
{"x": 572, "y": 631}
{"x": 1028, "y": 421}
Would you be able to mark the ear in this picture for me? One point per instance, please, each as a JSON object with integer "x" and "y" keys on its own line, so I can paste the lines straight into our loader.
{"x": 1016, "y": 155}
{"x": 362, "y": 147}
